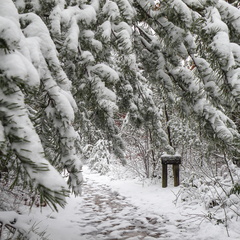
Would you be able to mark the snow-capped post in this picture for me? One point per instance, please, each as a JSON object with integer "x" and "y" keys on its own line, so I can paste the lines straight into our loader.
{"x": 175, "y": 160}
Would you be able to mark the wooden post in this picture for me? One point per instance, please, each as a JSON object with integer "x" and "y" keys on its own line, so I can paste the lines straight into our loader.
{"x": 164, "y": 175}
{"x": 176, "y": 174}
{"x": 175, "y": 160}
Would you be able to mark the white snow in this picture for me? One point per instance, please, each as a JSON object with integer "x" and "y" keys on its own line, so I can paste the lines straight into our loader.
{"x": 233, "y": 80}
{"x": 87, "y": 15}
{"x": 123, "y": 26}
{"x": 55, "y": 18}
{"x": 23, "y": 70}
{"x": 221, "y": 46}
{"x": 95, "y": 4}
{"x": 73, "y": 36}
{"x": 215, "y": 23}
{"x": 230, "y": 13}
{"x": 97, "y": 45}
{"x": 87, "y": 34}
{"x": 182, "y": 9}
{"x": 235, "y": 48}
{"x": 128, "y": 207}
{"x": 146, "y": 4}
{"x": 217, "y": 120}
{"x": 63, "y": 105}
{"x": 36, "y": 5}
{"x": 111, "y": 9}
{"x": 87, "y": 57}
{"x": 126, "y": 9}
{"x": 8, "y": 10}
{"x": 20, "y": 4}
{"x": 37, "y": 28}
{"x": 106, "y": 97}
{"x": 105, "y": 72}
{"x": 10, "y": 32}
{"x": 106, "y": 30}
{"x": 124, "y": 40}
{"x": 67, "y": 14}
{"x": 192, "y": 3}
{"x": 165, "y": 78}
{"x": 31, "y": 49}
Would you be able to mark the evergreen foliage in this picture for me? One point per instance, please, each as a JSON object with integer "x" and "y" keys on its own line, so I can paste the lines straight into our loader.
{"x": 37, "y": 109}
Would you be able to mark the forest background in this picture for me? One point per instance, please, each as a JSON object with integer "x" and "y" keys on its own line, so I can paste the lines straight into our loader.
{"x": 119, "y": 82}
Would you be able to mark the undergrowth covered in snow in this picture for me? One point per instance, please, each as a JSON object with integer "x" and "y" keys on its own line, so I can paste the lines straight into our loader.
{"x": 15, "y": 203}
{"x": 213, "y": 185}
{"x": 218, "y": 192}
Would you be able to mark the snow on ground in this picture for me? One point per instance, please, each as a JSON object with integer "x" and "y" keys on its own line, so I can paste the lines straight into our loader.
{"x": 128, "y": 209}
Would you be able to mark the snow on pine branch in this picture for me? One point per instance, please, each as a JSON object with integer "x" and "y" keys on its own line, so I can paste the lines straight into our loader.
{"x": 71, "y": 41}
{"x": 111, "y": 9}
{"x": 182, "y": 9}
{"x": 83, "y": 39}
{"x": 209, "y": 78}
{"x": 230, "y": 14}
{"x": 10, "y": 33}
{"x": 123, "y": 33}
{"x": 86, "y": 16}
{"x": 219, "y": 71}
{"x": 27, "y": 146}
{"x": 33, "y": 26}
{"x": 106, "y": 98}
{"x": 220, "y": 44}
{"x": 126, "y": 9}
{"x": 214, "y": 22}
{"x": 88, "y": 36}
{"x": 55, "y": 20}
{"x": 23, "y": 72}
{"x": 37, "y": 59}
{"x": 105, "y": 72}
{"x": 202, "y": 107}
{"x": 106, "y": 31}
{"x": 194, "y": 3}
{"x": 227, "y": 53}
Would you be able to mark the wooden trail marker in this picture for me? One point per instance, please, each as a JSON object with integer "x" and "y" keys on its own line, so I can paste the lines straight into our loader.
{"x": 174, "y": 160}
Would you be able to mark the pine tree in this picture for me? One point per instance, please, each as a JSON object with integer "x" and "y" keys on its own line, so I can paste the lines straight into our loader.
{"x": 37, "y": 109}
{"x": 100, "y": 58}
{"x": 195, "y": 53}
{"x": 98, "y": 55}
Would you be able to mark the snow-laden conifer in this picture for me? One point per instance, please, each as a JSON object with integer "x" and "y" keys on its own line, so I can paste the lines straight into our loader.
{"x": 37, "y": 108}
{"x": 137, "y": 58}
{"x": 195, "y": 32}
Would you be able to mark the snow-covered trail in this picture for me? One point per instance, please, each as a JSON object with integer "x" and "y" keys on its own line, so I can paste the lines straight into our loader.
{"x": 108, "y": 215}
{"x": 103, "y": 213}
{"x": 118, "y": 210}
